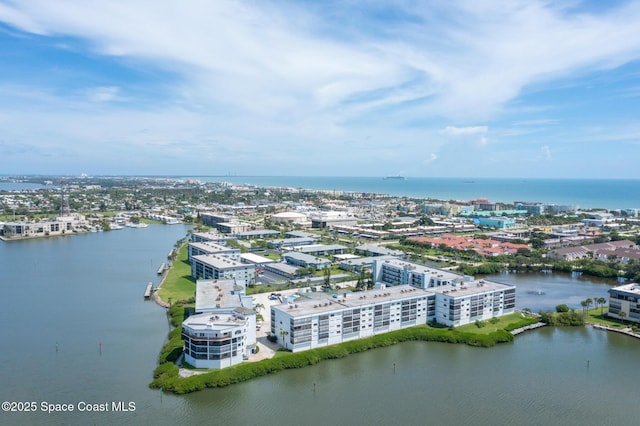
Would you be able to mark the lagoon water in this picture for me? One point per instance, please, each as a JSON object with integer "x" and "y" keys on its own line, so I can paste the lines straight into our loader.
{"x": 85, "y": 290}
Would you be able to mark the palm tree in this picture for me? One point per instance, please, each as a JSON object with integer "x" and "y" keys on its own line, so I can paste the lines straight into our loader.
{"x": 284, "y": 333}
{"x": 589, "y": 302}
{"x": 584, "y": 305}
{"x": 622, "y": 315}
{"x": 602, "y": 301}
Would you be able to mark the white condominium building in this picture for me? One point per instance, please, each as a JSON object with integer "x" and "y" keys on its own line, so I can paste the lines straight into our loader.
{"x": 419, "y": 294}
{"x": 399, "y": 272}
{"x": 200, "y": 248}
{"x": 312, "y": 323}
{"x": 472, "y": 301}
{"x": 217, "y": 340}
{"x": 624, "y": 302}
{"x": 223, "y": 331}
{"x": 220, "y": 267}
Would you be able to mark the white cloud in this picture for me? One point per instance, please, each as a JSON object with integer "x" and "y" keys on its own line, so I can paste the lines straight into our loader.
{"x": 473, "y": 63}
{"x": 264, "y": 75}
{"x": 464, "y": 131}
{"x": 546, "y": 153}
{"x": 432, "y": 157}
{"x": 103, "y": 94}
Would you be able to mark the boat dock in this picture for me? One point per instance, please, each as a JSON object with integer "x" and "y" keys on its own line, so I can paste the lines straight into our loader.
{"x": 527, "y": 328}
{"x": 161, "y": 269}
{"x": 628, "y": 331}
{"x": 148, "y": 290}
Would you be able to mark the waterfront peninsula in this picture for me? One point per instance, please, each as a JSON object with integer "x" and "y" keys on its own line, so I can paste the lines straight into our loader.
{"x": 287, "y": 251}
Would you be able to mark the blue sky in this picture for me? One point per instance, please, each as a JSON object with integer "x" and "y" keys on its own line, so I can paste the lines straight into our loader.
{"x": 347, "y": 88}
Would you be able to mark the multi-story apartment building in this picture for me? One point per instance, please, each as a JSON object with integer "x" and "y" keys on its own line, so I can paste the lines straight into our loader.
{"x": 624, "y": 302}
{"x": 220, "y": 267}
{"x": 196, "y": 249}
{"x": 400, "y": 272}
{"x": 312, "y": 323}
{"x": 223, "y": 332}
{"x": 460, "y": 298}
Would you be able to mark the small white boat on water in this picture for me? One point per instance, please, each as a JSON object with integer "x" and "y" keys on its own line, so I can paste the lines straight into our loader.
{"x": 137, "y": 225}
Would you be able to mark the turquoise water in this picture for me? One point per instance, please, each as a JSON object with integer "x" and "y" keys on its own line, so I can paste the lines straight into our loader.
{"x": 586, "y": 193}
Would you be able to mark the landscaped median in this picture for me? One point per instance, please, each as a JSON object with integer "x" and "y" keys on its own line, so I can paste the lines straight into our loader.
{"x": 166, "y": 374}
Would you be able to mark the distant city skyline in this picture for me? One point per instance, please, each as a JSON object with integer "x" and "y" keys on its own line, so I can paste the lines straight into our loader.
{"x": 334, "y": 88}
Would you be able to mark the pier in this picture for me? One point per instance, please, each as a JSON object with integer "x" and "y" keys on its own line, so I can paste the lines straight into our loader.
{"x": 148, "y": 290}
{"x": 627, "y": 331}
{"x": 161, "y": 269}
{"x": 527, "y": 328}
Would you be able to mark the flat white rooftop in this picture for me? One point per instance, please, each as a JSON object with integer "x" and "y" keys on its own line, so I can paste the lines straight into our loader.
{"x": 212, "y": 247}
{"x": 212, "y": 322}
{"x": 304, "y": 307}
{"x": 210, "y": 293}
{"x": 254, "y": 258}
{"x": 471, "y": 288}
{"x": 422, "y": 269}
{"x": 220, "y": 262}
{"x": 633, "y": 288}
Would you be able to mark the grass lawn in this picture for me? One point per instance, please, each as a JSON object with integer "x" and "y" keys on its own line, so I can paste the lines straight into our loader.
{"x": 489, "y": 327}
{"x": 179, "y": 285}
{"x": 335, "y": 270}
{"x": 594, "y": 316}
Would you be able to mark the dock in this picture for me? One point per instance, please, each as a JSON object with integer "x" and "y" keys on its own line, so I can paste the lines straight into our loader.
{"x": 161, "y": 269}
{"x": 628, "y": 330}
{"x": 148, "y": 290}
{"x": 527, "y": 328}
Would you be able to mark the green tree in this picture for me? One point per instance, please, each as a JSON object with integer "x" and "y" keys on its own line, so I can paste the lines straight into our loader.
{"x": 283, "y": 334}
{"x": 327, "y": 277}
{"x": 584, "y": 305}
{"x": 589, "y": 302}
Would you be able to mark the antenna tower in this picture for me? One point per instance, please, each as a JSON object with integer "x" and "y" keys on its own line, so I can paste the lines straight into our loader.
{"x": 64, "y": 199}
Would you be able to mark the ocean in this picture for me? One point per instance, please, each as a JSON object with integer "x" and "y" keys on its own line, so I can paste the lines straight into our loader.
{"x": 585, "y": 193}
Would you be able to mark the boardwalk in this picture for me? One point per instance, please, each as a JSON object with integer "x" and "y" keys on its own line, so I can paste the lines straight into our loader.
{"x": 626, "y": 331}
{"x": 527, "y": 328}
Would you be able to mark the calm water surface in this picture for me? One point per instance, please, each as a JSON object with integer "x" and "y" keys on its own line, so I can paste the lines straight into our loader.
{"x": 586, "y": 193}
{"x": 84, "y": 290}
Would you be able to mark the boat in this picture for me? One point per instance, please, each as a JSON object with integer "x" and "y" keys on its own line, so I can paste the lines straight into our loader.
{"x": 137, "y": 225}
{"x": 395, "y": 177}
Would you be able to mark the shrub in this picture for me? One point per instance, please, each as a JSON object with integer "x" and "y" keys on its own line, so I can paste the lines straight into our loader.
{"x": 166, "y": 377}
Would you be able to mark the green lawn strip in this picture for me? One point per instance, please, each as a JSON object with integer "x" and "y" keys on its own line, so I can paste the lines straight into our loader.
{"x": 178, "y": 284}
{"x": 507, "y": 322}
{"x": 166, "y": 377}
{"x": 599, "y": 316}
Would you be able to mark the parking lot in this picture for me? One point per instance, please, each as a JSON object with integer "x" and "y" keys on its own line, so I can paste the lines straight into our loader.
{"x": 269, "y": 278}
